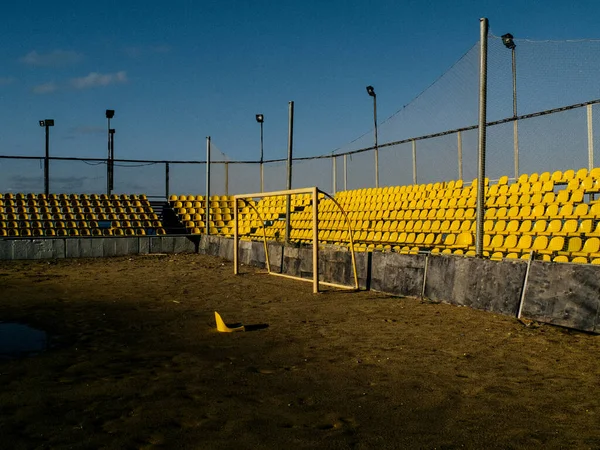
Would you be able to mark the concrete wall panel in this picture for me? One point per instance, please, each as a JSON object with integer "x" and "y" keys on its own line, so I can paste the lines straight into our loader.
{"x": 478, "y": 283}
{"x": 398, "y": 274}
{"x": 563, "y": 294}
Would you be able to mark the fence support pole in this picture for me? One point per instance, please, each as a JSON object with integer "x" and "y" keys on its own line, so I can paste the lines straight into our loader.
{"x": 47, "y": 162}
{"x": 207, "y": 212}
{"x": 460, "y": 156}
{"x": 590, "y": 130}
{"x": 516, "y": 144}
{"x": 226, "y": 178}
{"x": 345, "y": 172}
{"x": 288, "y": 228}
{"x": 167, "y": 181}
{"x": 334, "y": 178}
{"x": 483, "y": 23}
{"x": 414, "y": 160}
{"x": 515, "y": 123}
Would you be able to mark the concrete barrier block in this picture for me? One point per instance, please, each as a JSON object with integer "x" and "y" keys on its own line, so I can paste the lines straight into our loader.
{"x": 397, "y": 274}
{"x": 23, "y": 249}
{"x": 275, "y": 256}
{"x": 336, "y": 266}
{"x": 72, "y": 248}
{"x": 305, "y": 255}
{"x": 109, "y": 247}
{"x": 58, "y": 248}
{"x": 479, "y": 283}
{"x": 42, "y": 249}
{"x": 6, "y": 249}
{"x": 258, "y": 257}
{"x": 121, "y": 246}
{"x": 155, "y": 244}
{"x": 291, "y": 261}
{"x": 85, "y": 248}
{"x": 144, "y": 245}
{"x": 563, "y": 294}
{"x": 96, "y": 248}
{"x": 184, "y": 245}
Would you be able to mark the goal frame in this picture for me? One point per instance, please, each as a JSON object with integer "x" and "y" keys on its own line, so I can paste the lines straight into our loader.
{"x": 314, "y": 191}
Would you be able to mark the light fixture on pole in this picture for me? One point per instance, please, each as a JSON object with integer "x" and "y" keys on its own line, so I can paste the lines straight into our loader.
{"x": 509, "y": 43}
{"x": 47, "y": 124}
{"x": 260, "y": 119}
{"x": 371, "y": 92}
{"x": 110, "y": 113}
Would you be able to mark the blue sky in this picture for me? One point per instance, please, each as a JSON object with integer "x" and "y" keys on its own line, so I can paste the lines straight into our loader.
{"x": 178, "y": 71}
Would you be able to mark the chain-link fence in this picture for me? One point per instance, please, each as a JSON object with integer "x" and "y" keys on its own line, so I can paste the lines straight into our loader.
{"x": 413, "y": 148}
{"x": 561, "y": 139}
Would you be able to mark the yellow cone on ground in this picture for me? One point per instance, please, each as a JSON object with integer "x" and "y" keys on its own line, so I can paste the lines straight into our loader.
{"x": 224, "y": 328}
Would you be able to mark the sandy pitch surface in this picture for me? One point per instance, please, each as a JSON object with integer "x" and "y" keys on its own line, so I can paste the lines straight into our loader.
{"x": 137, "y": 363}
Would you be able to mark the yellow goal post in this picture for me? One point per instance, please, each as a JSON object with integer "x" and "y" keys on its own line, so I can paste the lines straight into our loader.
{"x": 314, "y": 192}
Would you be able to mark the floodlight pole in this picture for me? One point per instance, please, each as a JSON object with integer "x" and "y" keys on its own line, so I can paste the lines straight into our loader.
{"x": 288, "y": 228}
{"x": 515, "y": 122}
{"x": 47, "y": 160}
{"x": 207, "y": 212}
{"x": 112, "y": 159}
{"x": 262, "y": 173}
{"x": 484, "y": 26}
{"x": 108, "y": 159}
{"x": 371, "y": 92}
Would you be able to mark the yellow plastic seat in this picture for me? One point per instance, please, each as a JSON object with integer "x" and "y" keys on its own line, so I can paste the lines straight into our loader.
{"x": 574, "y": 244}
{"x": 556, "y": 244}
{"x": 525, "y": 226}
{"x": 496, "y": 256}
{"x": 591, "y": 246}
{"x": 570, "y": 227}
{"x": 561, "y": 259}
{"x": 510, "y": 243}
{"x": 540, "y": 244}
{"x": 464, "y": 240}
{"x": 525, "y": 243}
{"x": 580, "y": 260}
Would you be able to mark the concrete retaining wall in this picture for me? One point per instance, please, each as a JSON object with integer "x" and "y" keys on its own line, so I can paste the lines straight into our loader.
{"x": 96, "y": 247}
{"x": 559, "y": 294}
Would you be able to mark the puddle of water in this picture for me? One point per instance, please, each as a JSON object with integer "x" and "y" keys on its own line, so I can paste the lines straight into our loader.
{"x": 17, "y": 339}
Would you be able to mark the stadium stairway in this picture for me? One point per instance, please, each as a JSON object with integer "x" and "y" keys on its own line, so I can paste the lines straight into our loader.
{"x": 170, "y": 220}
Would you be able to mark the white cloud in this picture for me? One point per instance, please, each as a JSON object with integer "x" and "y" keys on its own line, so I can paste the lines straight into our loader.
{"x": 95, "y": 79}
{"x": 55, "y": 58}
{"x": 45, "y": 88}
{"x": 6, "y": 80}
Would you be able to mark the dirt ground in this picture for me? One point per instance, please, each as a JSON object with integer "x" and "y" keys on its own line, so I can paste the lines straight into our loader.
{"x": 136, "y": 362}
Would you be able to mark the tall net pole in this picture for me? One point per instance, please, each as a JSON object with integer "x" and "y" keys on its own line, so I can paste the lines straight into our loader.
{"x": 288, "y": 228}
{"x": 484, "y": 25}
{"x": 207, "y": 212}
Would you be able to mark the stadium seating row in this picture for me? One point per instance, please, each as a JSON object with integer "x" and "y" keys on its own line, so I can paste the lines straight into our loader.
{"x": 554, "y": 214}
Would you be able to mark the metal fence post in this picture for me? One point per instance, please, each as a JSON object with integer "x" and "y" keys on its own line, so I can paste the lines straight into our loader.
{"x": 167, "y": 181}
{"x": 460, "y": 155}
{"x": 590, "y": 130}
{"x": 288, "y": 227}
{"x": 333, "y": 167}
{"x": 226, "y": 178}
{"x": 345, "y": 172}
{"x": 482, "y": 135}
{"x": 207, "y": 212}
{"x": 414, "y": 160}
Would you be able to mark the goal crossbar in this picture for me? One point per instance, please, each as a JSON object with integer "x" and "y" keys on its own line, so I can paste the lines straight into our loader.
{"x": 314, "y": 192}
